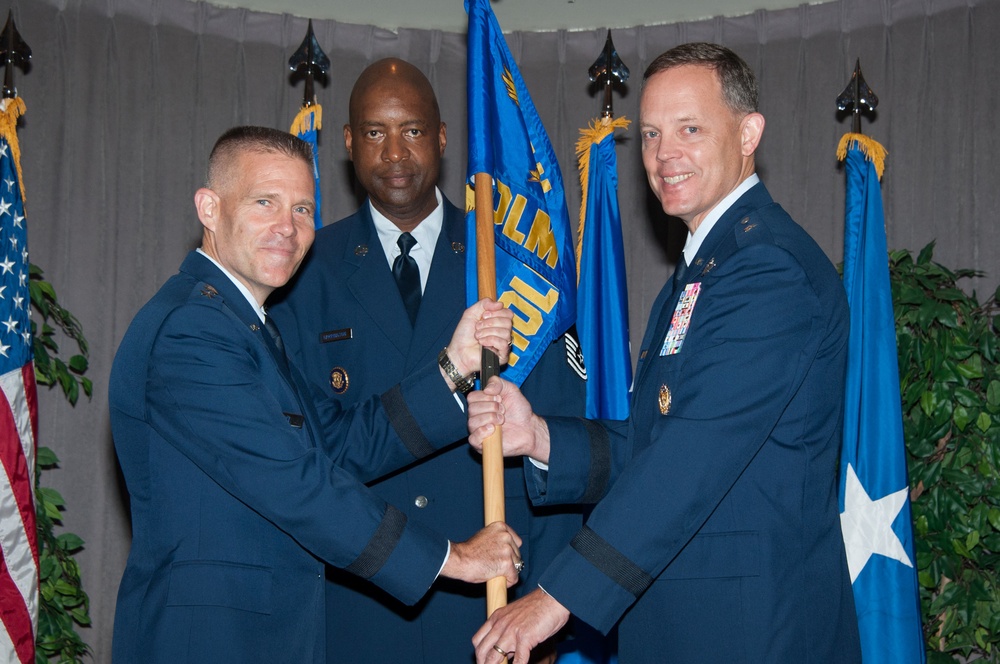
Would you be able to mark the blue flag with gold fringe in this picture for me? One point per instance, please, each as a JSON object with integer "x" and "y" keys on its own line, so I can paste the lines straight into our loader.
{"x": 602, "y": 295}
{"x": 874, "y": 486}
{"x": 535, "y": 269}
{"x": 306, "y": 125}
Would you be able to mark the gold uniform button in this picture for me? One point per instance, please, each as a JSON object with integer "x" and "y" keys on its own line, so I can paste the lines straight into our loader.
{"x": 665, "y": 398}
{"x": 421, "y": 502}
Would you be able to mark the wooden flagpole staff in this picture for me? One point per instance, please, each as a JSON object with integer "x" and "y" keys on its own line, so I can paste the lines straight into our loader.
{"x": 486, "y": 270}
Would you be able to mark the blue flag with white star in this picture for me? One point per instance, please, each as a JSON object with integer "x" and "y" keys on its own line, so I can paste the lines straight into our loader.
{"x": 874, "y": 485}
{"x": 535, "y": 268}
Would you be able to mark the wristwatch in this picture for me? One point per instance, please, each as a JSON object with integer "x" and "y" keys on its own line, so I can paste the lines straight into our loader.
{"x": 463, "y": 384}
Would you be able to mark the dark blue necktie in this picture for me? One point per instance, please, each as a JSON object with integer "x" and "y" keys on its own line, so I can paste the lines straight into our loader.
{"x": 679, "y": 272}
{"x": 272, "y": 329}
{"x": 407, "y": 275}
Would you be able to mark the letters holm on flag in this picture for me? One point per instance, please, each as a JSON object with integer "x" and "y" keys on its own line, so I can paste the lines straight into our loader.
{"x": 534, "y": 247}
{"x": 874, "y": 487}
{"x": 18, "y": 411}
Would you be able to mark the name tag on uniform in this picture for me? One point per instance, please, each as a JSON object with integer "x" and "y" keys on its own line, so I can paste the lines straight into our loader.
{"x": 681, "y": 320}
{"x": 336, "y": 335}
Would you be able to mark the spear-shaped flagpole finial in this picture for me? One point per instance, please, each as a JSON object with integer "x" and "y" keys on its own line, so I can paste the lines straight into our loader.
{"x": 312, "y": 57}
{"x": 13, "y": 51}
{"x": 858, "y": 97}
{"x": 609, "y": 67}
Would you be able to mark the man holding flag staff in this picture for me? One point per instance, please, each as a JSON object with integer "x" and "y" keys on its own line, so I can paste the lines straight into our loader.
{"x": 364, "y": 313}
{"x": 717, "y": 535}
{"x": 242, "y": 486}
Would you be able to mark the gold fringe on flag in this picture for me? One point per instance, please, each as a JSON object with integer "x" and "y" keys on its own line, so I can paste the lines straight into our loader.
{"x": 308, "y": 118}
{"x": 872, "y": 149}
{"x": 597, "y": 131}
{"x": 10, "y": 110}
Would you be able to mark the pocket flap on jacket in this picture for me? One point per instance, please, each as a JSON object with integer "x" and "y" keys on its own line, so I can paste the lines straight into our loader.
{"x": 219, "y": 583}
{"x": 717, "y": 555}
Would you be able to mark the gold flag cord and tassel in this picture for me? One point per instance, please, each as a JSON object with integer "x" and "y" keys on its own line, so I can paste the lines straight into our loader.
{"x": 597, "y": 131}
{"x": 10, "y": 110}
{"x": 308, "y": 118}
{"x": 872, "y": 149}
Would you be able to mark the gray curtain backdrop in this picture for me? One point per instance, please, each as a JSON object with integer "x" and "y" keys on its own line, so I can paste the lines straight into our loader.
{"x": 125, "y": 98}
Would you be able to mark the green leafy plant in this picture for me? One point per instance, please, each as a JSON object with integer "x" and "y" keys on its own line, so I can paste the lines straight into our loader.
{"x": 64, "y": 605}
{"x": 949, "y": 364}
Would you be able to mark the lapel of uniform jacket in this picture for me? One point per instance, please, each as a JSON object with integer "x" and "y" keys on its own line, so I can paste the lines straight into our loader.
{"x": 370, "y": 281}
{"x": 717, "y": 246}
{"x": 233, "y": 301}
{"x": 444, "y": 295}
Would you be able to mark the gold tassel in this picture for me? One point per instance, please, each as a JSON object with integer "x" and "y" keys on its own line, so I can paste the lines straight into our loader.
{"x": 872, "y": 149}
{"x": 10, "y": 110}
{"x": 597, "y": 131}
{"x": 303, "y": 123}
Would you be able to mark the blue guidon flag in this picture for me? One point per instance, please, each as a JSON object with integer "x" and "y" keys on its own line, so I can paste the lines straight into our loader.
{"x": 535, "y": 269}
{"x": 874, "y": 486}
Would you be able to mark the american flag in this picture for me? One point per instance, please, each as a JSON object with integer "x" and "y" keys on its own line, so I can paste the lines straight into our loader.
{"x": 18, "y": 410}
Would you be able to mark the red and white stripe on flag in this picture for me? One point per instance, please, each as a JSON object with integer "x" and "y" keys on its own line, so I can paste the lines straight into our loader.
{"x": 18, "y": 538}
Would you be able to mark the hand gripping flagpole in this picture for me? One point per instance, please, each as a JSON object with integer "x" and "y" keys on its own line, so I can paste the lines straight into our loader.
{"x": 493, "y": 489}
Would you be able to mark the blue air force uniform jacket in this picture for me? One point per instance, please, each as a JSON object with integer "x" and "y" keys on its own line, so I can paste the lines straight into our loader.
{"x": 347, "y": 327}
{"x": 717, "y": 537}
{"x": 241, "y": 489}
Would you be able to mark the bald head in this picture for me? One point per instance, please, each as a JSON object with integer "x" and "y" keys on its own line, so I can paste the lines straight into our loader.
{"x": 391, "y": 73}
{"x": 396, "y": 139}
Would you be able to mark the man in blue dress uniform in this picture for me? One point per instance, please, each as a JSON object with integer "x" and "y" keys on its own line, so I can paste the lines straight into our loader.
{"x": 242, "y": 487}
{"x": 356, "y": 324}
{"x": 716, "y": 537}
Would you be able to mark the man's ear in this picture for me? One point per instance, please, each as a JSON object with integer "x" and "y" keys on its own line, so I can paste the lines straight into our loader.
{"x": 443, "y": 137}
{"x": 751, "y": 130}
{"x": 206, "y": 202}
{"x": 347, "y": 141}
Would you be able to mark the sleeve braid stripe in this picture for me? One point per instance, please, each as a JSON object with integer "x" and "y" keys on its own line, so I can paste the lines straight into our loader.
{"x": 381, "y": 545}
{"x": 611, "y": 562}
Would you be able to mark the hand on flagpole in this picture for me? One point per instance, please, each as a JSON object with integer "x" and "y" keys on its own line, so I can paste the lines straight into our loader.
{"x": 501, "y": 404}
{"x": 518, "y": 627}
{"x": 490, "y": 553}
{"x": 485, "y": 324}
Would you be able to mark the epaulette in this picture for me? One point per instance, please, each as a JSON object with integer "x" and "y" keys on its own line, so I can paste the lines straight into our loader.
{"x": 205, "y": 293}
{"x": 751, "y": 230}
